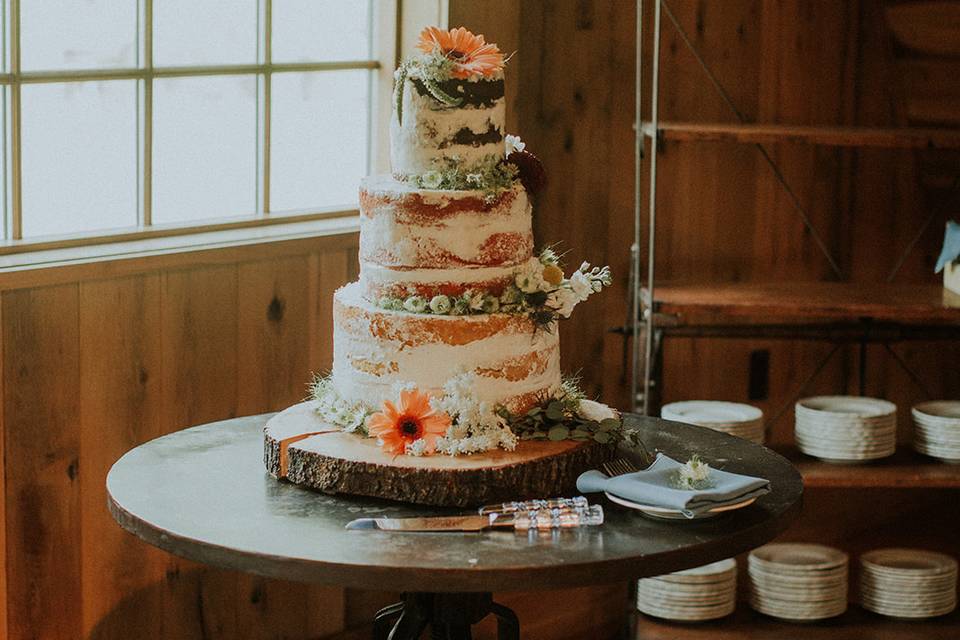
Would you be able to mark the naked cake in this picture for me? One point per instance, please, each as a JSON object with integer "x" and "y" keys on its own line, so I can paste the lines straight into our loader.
{"x": 446, "y": 385}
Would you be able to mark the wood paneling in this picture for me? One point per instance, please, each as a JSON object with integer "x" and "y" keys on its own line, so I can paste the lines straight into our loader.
{"x": 120, "y": 399}
{"x": 43, "y": 466}
{"x": 94, "y": 367}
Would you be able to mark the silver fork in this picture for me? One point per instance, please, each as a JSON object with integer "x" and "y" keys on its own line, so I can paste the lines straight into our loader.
{"x": 619, "y": 467}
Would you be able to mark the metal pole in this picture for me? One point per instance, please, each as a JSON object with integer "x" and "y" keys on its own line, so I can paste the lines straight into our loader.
{"x": 637, "y": 204}
{"x": 652, "y": 221}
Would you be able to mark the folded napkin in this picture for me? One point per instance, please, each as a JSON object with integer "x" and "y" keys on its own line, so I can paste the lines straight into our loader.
{"x": 655, "y": 487}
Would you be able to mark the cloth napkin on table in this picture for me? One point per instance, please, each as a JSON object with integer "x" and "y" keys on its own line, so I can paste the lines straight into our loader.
{"x": 654, "y": 486}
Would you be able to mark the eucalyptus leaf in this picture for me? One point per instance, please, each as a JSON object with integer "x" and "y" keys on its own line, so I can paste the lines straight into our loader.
{"x": 603, "y": 437}
{"x": 555, "y": 411}
{"x": 609, "y": 424}
{"x": 580, "y": 433}
{"x": 533, "y": 411}
{"x": 559, "y": 432}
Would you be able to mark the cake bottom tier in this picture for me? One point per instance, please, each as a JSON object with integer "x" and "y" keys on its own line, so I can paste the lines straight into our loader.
{"x": 298, "y": 446}
{"x": 515, "y": 364}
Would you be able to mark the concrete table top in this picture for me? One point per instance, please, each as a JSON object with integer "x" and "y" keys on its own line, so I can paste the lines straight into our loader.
{"x": 202, "y": 493}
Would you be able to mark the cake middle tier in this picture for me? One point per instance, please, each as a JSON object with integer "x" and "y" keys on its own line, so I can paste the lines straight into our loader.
{"x": 425, "y": 242}
{"x": 515, "y": 363}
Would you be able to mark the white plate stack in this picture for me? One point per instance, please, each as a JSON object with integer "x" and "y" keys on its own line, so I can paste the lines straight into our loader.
{"x": 703, "y": 593}
{"x": 908, "y": 583}
{"x": 846, "y": 429}
{"x": 798, "y": 582}
{"x": 741, "y": 420}
{"x": 937, "y": 429}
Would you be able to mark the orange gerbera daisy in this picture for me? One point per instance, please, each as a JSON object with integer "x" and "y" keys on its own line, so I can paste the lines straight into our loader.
{"x": 414, "y": 420}
{"x": 470, "y": 53}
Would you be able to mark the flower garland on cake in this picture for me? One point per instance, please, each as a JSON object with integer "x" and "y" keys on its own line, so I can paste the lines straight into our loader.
{"x": 539, "y": 290}
{"x": 455, "y": 422}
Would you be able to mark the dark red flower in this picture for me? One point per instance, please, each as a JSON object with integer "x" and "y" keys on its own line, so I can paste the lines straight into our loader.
{"x": 530, "y": 170}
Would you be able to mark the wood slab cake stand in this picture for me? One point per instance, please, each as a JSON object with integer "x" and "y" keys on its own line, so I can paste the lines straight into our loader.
{"x": 299, "y": 446}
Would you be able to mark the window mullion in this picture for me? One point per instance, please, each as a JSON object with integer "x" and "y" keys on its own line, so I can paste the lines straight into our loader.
{"x": 267, "y": 82}
{"x": 148, "y": 114}
{"x": 16, "y": 199}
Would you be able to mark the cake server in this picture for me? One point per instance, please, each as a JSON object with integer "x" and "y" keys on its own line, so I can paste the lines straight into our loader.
{"x": 520, "y": 521}
{"x": 579, "y": 502}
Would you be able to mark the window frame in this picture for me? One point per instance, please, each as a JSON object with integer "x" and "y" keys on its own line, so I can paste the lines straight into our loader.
{"x": 385, "y": 23}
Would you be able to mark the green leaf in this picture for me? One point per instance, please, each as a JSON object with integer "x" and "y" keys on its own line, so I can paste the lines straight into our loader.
{"x": 434, "y": 88}
{"x": 555, "y": 411}
{"x": 398, "y": 91}
{"x": 559, "y": 432}
{"x": 579, "y": 434}
{"x": 610, "y": 424}
{"x": 602, "y": 437}
{"x": 533, "y": 411}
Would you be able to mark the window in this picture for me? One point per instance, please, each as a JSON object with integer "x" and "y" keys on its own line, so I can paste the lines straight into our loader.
{"x": 168, "y": 116}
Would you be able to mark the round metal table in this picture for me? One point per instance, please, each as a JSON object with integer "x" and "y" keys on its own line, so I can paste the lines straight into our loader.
{"x": 203, "y": 494}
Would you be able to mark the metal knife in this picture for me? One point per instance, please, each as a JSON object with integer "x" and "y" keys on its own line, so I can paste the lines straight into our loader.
{"x": 521, "y": 521}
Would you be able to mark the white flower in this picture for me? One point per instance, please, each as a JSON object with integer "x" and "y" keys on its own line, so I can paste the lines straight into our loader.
{"x": 440, "y": 304}
{"x": 563, "y": 300}
{"x": 475, "y": 300}
{"x": 415, "y": 304}
{"x": 596, "y": 411}
{"x": 530, "y": 277}
{"x": 513, "y": 143}
{"x": 431, "y": 179}
{"x": 417, "y": 447}
{"x": 476, "y": 179}
{"x": 581, "y": 285}
{"x": 695, "y": 474}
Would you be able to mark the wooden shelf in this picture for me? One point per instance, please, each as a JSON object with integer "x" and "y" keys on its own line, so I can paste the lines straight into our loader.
{"x": 746, "y": 624}
{"x": 908, "y": 303}
{"x": 834, "y": 136}
{"x": 905, "y": 469}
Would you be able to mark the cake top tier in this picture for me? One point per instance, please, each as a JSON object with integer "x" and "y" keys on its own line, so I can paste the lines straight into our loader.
{"x": 447, "y": 126}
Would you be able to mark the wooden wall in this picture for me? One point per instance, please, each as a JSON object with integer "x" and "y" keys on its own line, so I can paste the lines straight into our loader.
{"x": 721, "y": 214}
{"x": 94, "y": 366}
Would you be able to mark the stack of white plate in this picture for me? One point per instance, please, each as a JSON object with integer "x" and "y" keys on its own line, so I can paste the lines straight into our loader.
{"x": 704, "y": 593}
{"x": 937, "y": 429}
{"x": 798, "y": 581}
{"x": 741, "y": 420}
{"x": 846, "y": 428}
{"x": 908, "y": 583}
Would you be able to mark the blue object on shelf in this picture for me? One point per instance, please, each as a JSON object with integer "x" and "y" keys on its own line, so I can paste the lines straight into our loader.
{"x": 951, "y": 246}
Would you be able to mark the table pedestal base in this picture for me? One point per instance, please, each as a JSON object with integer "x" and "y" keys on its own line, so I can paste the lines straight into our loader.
{"x": 449, "y": 616}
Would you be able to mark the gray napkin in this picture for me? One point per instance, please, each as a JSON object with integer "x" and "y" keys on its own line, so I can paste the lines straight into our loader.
{"x": 655, "y": 487}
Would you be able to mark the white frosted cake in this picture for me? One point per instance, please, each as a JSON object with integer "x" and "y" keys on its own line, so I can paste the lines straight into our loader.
{"x": 448, "y": 343}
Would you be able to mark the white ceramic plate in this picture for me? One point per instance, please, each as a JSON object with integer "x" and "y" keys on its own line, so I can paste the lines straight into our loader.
{"x": 662, "y": 513}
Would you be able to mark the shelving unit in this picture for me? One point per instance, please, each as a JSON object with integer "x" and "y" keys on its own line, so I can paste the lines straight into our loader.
{"x": 836, "y": 312}
{"x": 831, "y": 136}
{"x": 905, "y": 469}
{"x": 903, "y": 489}
{"x": 855, "y": 624}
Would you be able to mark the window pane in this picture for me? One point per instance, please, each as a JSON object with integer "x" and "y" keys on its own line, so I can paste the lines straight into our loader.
{"x": 318, "y": 30}
{"x": 79, "y": 163}
{"x": 67, "y": 34}
{"x": 204, "y": 147}
{"x": 188, "y": 32}
{"x": 318, "y": 138}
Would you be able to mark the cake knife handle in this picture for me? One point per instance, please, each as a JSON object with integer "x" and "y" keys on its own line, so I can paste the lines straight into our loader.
{"x": 533, "y": 505}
